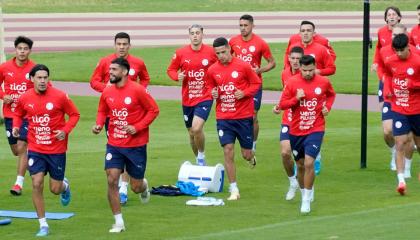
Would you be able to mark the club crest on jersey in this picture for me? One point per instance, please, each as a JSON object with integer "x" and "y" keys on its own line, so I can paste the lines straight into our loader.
{"x": 49, "y": 106}
{"x": 131, "y": 72}
{"x": 205, "y": 62}
{"x": 318, "y": 91}
{"x": 410, "y": 71}
{"x": 252, "y": 48}
{"x": 127, "y": 100}
{"x": 235, "y": 74}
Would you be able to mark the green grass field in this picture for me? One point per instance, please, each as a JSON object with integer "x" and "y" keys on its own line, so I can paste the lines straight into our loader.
{"x": 350, "y": 203}
{"x": 24, "y": 6}
{"x": 346, "y": 80}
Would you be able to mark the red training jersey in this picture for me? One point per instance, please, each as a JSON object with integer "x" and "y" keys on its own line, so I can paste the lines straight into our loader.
{"x": 307, "y": 114}
{"x": 45, "y": 114}
{"x": 228, "y": 78}
{"x": 323, "y": 60}
{"x": 251, "y": 51}
{"x": 402, "y": 79}
{"x": 16, "y": 82}
{"x": 194, "y": 64}
{"x": 318, "y": 38}
{"x": 285, "y": 76}
{"x": 130, "y": 104}
{"x": 138, "y": 72}
{"x": 415, "y": 36}
{"x": 384, "y": 39}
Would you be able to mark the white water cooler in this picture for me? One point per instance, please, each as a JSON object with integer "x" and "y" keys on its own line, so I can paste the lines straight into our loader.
{"x": 206, "y": 177}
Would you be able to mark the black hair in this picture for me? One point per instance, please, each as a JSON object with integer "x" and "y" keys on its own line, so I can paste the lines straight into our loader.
{"x": 418, "y": 7}
{"x": 397, "y": 10}
{"x": 39, "y": 67}
{"x": 221, "y": 41}
{"x": 122, "y": 35}
{"x": 23, "y": 39}
{"x": 305, "y": 22}
{"x": 297, "y": 49}
{"x": 122, "y": 62}
{"x": 247, "y": 17}
{"x": 307, "y": 60}
{"x": 400, "y": 41}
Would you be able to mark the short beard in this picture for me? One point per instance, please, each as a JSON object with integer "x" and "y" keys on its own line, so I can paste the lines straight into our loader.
{"x": 115, "y": 80}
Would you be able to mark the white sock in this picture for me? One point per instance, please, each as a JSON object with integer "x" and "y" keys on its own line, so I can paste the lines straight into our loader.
{"x": 407, "y": 164}
{"x": 400, "y": 177}
{"x": 254, "y": 146}
{"x": 19, "y": 180}
{"x": 42, "y": 222}
{"x": 201, "y": 155}
{"x": 293, "y": 180}
{"x": 66, "y": 185}
{"x": 302, "y": 191}
{"x": 123, "y": 187}
{"x": 392, "y": 149}
{"x": 119, "y": 181}
{"x": 233, "y": 186}
{"x": 118, "y": 219}
{"x": 307, "y": 194}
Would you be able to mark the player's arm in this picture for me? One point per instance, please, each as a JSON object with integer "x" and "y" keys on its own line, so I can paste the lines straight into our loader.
{"x": 254, "y": 83}
{"x": 143, "y": 75}
{"x": 330, "y": 98}
{"x": 414, "y": 81}
{"x": 97, "y": 80}
{"x": 387, "y": 79}
{"x": 331, "y": 50}
{"x": 286, "y": 55}
{"x": 173, "y": 68}
{"x": 101, "y": 115}
{"x": 150, "y": 105}
{"x": 71, "y": 110}
{"x": 18, "y": 116}
{"x": 290, "y": 98}
{"x": 380, "y": 68}
{"x": 271, "y": 62}
{"x": 327, "y": 63}
{"x": 376, "y": 57}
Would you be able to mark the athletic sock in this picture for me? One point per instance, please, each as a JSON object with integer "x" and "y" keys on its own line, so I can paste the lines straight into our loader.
{"x": 42, "y": 222}
{"x": 123, "y": 187}
{"x": 119, "y": 219}
{"x": 400, "y": 177}
{"x": 201, "y": 155}
{"x": 254, "y": 146}
{"x": 293, "y": 180}
{"x": 407, "y": 164}
{"x": 19, "y": 180}
{"x": 233, "y": 186}
{"x": 66, "y": 185}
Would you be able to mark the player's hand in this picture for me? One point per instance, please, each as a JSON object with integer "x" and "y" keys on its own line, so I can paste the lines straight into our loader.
{"x": 181, "y": 76}
{"x": 239, "y": 94}
{"x": 96, "y": 129}
{"x": 325, "y": 111}
{"x": 214, "y": 93}
{"x": 130, "y": 129}
{"x": 7, "y": 99}
{"x": 276, "y": 109}
{"x": 374, "y": 67}
{"x": 300, "y": 94}
{"x": 59, "y": 134}
{"x": 15, "y": 132}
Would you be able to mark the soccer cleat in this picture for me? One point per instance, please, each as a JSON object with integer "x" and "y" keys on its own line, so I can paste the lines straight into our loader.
{"x": 253, "y": 162}
{"x": 292, "y": 191}
{"x": 43, "y": 232}
{"x": 16, "y": 190}
{"x": 234, "y": 195}
{"x": 145, "y": 195}
{"x": 317, "y": 164}
{"x": 201, "y": 162}
{"x": 65, "y": 196}
{"x": 401, "y": 188}
{"x": 123, "y": 198}
{"x": 117, "y": 228}
{"x": 305, "y": 208}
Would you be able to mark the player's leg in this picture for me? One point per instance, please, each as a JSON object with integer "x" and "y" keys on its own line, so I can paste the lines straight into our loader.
{"x": 408, "y": 156}
{"x": 256, "y": 125}
{"x": 400, "y": 130}
{"x": 387, "y": 116}
{"x": 188, "y": 118}
{"x": 123, "y": 188}
{"x": 201, "y": 113}
{"x": 244, "y": 132}
{"x": 136, "y": 162}
{"x": 56, "y": 166}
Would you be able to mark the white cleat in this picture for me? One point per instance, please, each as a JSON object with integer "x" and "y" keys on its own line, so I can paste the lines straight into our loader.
{"x": 234, "y": 195}
{"x": 305, "y": 208}
{"x": 145, "y": 195}
{"x": 292, "y": 191}
{"x": 117, "y": 228}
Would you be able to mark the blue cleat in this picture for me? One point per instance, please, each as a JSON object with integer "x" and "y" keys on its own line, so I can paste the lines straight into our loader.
{"x": 295, "y": 170}
{"x": 123, "y": 198}
{"x": 201, "y": 162}
{"x": 317, "y": 164}
{"x": 43, "y": 232}
{"x": 65, "y": 196}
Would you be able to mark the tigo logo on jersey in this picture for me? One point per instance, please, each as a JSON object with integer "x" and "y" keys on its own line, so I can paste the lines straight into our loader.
{"x": 120, "y": 114}
{"x": 309, "y": 104}
{"x": 20, "y": 88}
{"x": 42, "y": 120}
{"x": 197, "y": 75}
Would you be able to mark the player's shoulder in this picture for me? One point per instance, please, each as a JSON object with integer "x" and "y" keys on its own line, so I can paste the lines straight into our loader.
{"x": 235, "y": 39}
{"x": 134, "y": 60}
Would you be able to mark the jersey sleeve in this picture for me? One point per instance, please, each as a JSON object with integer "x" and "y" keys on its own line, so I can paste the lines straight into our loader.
{"x": 387, "y": 80}
{"x": 265, "y": 48}
{"x": 377, "y": 50}
{"x": 97, "y": 81}
{"x": 19, "y": 113}
{"x": 103, "y": 111}
{"x": 71, "y": 110}
{"x": 254, "y": 82}
{"x": 330, "y": 96}
{"x": 174, "y": 66}
{"x": 2, "y": 93}
{"x": 327, "y": 63}
{"x": 288, "y": 98}
{"x": 152, "y": 109}
{"x": 143, "y": 75}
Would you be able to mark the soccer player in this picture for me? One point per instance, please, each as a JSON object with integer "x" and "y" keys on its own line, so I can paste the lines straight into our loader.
{"x": 324, "y": 61}
{"x": 392, "y": 16}
{"x": 14, "y": 74}
{"x": 45, "y": 107}
{"x": 100, "y": 79}
{"x": 251, "y": 48}
{"x": 401, "y": 85}
{"x": 295, "y": 55}
{"x": 387, "y": 113}
{"x": 310, "y": 96}
{"x": 189, "y": 66}
{"x": 131, "y": 110}
{"x": 318, "y": 38}
{"x": 233, "y": 84}
{"x": 415, "y": 31}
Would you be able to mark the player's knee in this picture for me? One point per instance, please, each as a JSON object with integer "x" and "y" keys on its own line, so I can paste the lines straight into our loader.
{"x": 137, "y": 186}
{"x": 195, "y": 130}
{"x": 37, "y": 185}
{"x": 56, "y": 189}
{"x": 112, "y": 181}
{"x": 285, "y": 154}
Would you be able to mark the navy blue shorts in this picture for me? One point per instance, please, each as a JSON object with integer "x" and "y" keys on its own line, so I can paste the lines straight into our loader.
{"x": 306, "y": 145}
{"x": 133, "y": 159}
{"x": 201, "y": 110}
{"x": 257, "y": 100}
{"x": 403, "y": 124}
{"x": 242, "y": 129}
{"x": 284, "y": 133}
{"x": 23, "y": 131}
{"x": 387, "y": 113}
{"x": 381, "y": 91}
{"x": 54, "y": 164}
